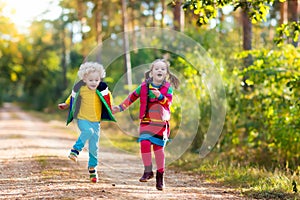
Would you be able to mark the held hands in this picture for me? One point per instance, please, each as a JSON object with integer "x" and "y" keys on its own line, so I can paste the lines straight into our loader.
{"x": 63, "y": 106}
{"x": 115, "y": 109}
{"x": 156, "y": 92}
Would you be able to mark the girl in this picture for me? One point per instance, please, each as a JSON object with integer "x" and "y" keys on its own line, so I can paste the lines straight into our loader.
{"x": 89, "y": 103}
{"x": 155, "y": 95}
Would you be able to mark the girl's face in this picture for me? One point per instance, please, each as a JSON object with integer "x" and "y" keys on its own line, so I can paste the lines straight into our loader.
{"x": 159, "y": 72}
{"x": 92, "y": 80}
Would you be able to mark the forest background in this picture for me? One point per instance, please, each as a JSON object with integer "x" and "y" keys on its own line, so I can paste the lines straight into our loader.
{"x": 253, "y": 44}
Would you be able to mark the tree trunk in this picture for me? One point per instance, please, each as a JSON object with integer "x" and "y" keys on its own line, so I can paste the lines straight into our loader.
{"x": 98, "y": 25}
{"x": 163, "y": 11}
{"x": 80, "y": 11}
{"x": 153, "y": 14}
{"x": 64, "y": 55}
{"x": 293, "y": 15}
{"x": 98, "y": 21}
{"x": 178, "y": 26}
{"x": 283, "y": 13}
{"x": 247, "y": 33}
{"x": 127, "y": 63}
{"x": 131, "y": 19}
{"x": 247, "y": 41}
{"x": 132, "y": 25}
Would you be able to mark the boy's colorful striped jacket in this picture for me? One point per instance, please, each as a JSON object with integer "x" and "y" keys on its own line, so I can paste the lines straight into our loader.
{"x": 105, "y": 98}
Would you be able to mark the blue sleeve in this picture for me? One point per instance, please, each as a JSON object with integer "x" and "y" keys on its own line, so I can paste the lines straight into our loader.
{"x": 160, "y": 97}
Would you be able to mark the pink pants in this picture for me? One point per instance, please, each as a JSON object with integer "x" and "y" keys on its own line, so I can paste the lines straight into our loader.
{"x": 158, "y": 152}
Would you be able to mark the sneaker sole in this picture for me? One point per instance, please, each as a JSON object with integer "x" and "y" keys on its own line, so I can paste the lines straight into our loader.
{"x": 94, "y": 180}
{"x": 160, "y": 189}
{"x": 146, "y": 180}
{"x": 72, "y": 158}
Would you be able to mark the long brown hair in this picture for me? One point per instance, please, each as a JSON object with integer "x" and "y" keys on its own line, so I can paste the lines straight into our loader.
{"x": 172, "y": 78}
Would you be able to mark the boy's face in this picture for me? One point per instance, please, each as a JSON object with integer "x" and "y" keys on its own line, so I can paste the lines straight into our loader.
{"x": 92, "y": 80}
{"x": 159, "y": 72}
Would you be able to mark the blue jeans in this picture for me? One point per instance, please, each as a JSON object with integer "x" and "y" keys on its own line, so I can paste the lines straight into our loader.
{"x": 89, "y": 131}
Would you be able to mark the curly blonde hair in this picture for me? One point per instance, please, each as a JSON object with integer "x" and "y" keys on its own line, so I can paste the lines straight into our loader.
{"x": 89, "y": 67}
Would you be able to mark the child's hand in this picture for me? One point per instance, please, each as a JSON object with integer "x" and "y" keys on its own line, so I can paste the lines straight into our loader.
{"x": 156, "y": 92}
{"x": 63, "y": 106}
{"x": 115, "y": 109}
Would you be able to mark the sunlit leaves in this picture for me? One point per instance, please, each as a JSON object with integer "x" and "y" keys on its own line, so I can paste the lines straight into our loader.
{"x": 272, "y": 106}
{"x": 207, "y": 10}
{"x": 13, "y": 77}
{"x": 287, "y": 31}
{"x": 15, "y": 73}
{"x": 10, "y": 56}
{"x": 259, "y": 14}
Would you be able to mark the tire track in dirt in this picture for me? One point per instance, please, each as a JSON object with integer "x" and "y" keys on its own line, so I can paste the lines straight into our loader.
{"x": 34, "y": 165}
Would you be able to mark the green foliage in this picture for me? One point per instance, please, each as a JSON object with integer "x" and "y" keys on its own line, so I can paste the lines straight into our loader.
{"x": 261, "y": 124}
{"x": 270, "y": 109}
{"x": 75, "y": 59}
{"x": 207, "y": 10}
{"x": 10, "y": 57}
{"x": 42, "y": 86}
{"x": 287, "y": 31}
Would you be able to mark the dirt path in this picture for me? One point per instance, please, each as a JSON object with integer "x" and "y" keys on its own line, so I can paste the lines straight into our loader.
{"x": 34, "y": 165}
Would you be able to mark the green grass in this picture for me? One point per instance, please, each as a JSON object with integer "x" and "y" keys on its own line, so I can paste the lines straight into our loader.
{"x": 42, "y": 160}
{"x": 252, "y": 181}
{"x": 14, "y": 136}
{"x": 46, "y": 166}
{"x": 50, "y": 173}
